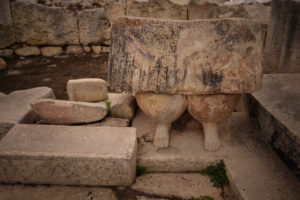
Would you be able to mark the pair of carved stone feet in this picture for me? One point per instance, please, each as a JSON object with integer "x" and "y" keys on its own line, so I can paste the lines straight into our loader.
{"x": 207, "y": 109}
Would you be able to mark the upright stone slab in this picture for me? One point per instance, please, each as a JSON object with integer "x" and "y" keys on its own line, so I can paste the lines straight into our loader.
{"x": 282, "y": 47}
{"x": 68, "y": 155}
{"x": 185, "y": 57}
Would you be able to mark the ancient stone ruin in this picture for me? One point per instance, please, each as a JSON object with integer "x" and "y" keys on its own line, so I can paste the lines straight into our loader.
{"x": 202, "y": 64}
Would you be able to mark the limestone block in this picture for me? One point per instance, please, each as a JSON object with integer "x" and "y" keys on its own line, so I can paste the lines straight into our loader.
{"x": 74, "y": 50}
{"x": 68, "y": 112}
{"x": 122, "y": 105}
{"x": 46, "y": 192}
{"x": 2, "y": 64}
{"x": 93, "y": 25}
{"x": 6, "y": 52}
{"x": 282, "y": 48}
{"x": 2, "y": 94}
{"x": 15, "y": 108}
{"x": 7, "y": 36}
{"x": 38, "y": 24}
{"x": 51, "y": 51}
{"x": 87, "y": 89}
{"x": 184, "y": 186}
{"x": 68, "y": 155}
{"x": 156, "y": 9}
{"x": 185, "y": 57}
{"x": 112, "y": 121}
{"x": 28, "y": 51}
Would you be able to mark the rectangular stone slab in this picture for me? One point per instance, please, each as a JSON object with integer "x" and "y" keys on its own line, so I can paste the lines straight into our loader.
{"x": 185, "y": 57}
{"x": 68, "y": 155}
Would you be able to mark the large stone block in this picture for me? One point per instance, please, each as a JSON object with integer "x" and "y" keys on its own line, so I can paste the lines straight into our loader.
{"x": 156, "y": 9}
{"x": 122, "y": 105}
{"x": 93, "y": 26}
{"x": 38, "y": 24}
{"x": 87, "y": 89}
{"x": 185, "y": 57}
{"x": 15, "y": 107}
{"x": 282, "y": 49}
{"x": 68, "y": 155}
{"x": 68, "y": 112}
{"x": 7, "y": 36}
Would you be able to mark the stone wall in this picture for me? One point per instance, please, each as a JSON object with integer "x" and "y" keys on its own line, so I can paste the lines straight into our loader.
{"x": 53, "y": 27}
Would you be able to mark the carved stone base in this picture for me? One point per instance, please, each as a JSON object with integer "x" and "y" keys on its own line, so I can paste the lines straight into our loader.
{"x": 164, "y": 110}
{"x": 209, "y": 110}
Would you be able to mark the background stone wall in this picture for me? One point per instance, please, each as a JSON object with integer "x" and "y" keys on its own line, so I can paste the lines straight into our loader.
{"x": 53, "y": 27}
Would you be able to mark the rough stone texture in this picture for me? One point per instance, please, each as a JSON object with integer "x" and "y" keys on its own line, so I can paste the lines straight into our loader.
{"x": 255, "y": 171}
{"x": 68, "y": 112}
{"x": 52, "y": 25}
{"x": 15, "y": 108}
{"x": 7, "y": 36}
{"x": 87, "y": 89}
{"x": 4, "y": 128}
{"x": 93, "y": 26}
{"x": 185, "y": 57}
{"x": 68, "y": 155}
{"x": 204, "y": 10}
{"x": 2, "y": 94}
{"x": 275, "y": 110}
{"x": 122, "y": 105}
{"x": 282, "y": 47}
{"x": 74, "y": 50}
{"x": 164, "y": 110}
{"x": 6, "y": 52}
{"x": 147, "y": 198}
{"x": 3, "y": 64}
{"x": 28, "y": 51}
{"x": 156, "y": 9}
{"x": 100, "y": 49}
{"x": 26, "y": 192}
{"x": 87, "y": 49}
{"x": 178, "y": 185}
{"x": 51, "y": 51}
{"x": 112, "y": 121}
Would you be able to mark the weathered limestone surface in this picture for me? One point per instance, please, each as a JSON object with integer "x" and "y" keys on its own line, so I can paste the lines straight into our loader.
{"x": 282, "y": 47}
{"x": 68, "y": 112}
{"x": 37, "y": 24}
{"x": 185, "y": 57}
{"x": 15, "y": 108}
{"x": 6, "y": 52}
{"x": 51, "y": 51}
{"x": 254, "y": 169}
{"x": 156, "y": 9}
{"x": 178, "y": 185}
{"x": 3, "y": 64}
{"x": 112, "y": 121}
{"x": 93, "y": 26}
{"x": 122, "y": 105}
{"x": 2, "y": 94}
{"x": 87, "y": 89}
{"x": 38, "y": 192}
{"x": 28, "y": 51}
{"x": 7, "y": 34}
{"x": 68, "y": 155}
{"x": 74, "y": 50}
{"x": 275, "y": 110}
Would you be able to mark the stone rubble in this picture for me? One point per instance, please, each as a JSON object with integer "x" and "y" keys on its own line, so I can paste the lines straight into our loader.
{"x": 68, "y": 112}
{"x": 122, "y": 105}
{"x": 28, "y": 51}
{"x": 51, "y": 51}
{"x": 74, "y": 50}
{"x": 87, "y": 90}
{"x": 3, "y": 64}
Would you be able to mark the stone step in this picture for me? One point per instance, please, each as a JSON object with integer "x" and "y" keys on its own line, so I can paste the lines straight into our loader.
{"x": 275, "y": 110}
{"x": 68, "y": 155}
{"x": 177, "y": 185}
{"x": 254, "y": 169}
{"x": 15, "y": 107}
{"x": 41, "y": 192}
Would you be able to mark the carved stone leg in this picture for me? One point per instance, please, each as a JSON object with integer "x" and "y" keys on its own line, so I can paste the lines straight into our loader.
{"x": 211, "y": 138}
{"x": 209, "y": 110}
{"x": 164, "y": 110}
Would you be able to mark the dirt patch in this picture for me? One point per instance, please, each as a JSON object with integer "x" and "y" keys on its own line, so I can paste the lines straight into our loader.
{"x": 52, "y": 72}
